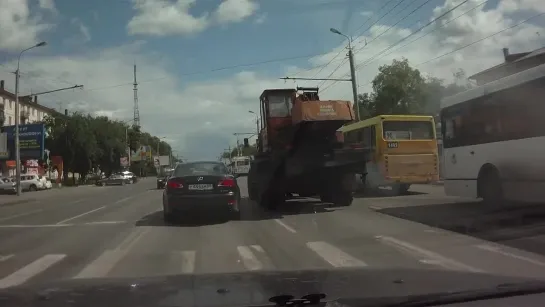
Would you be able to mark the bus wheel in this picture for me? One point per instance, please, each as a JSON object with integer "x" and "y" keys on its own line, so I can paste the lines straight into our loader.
{"x": 489, "y": 186}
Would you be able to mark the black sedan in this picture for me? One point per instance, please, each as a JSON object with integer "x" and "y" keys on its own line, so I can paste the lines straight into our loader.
{"x": 207, "y": 187}
{"x": 162, "y": 179}
{"x": 115, "y": 179}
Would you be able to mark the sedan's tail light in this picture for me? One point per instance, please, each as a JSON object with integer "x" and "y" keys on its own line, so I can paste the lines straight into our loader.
{"x": 175, "y": 183}
{"x": 227, "y": 183}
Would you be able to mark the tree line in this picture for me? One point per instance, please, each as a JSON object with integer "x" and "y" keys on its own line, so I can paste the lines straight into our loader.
{"x": 89, "y": 143}
{"x": 399, "y": 88}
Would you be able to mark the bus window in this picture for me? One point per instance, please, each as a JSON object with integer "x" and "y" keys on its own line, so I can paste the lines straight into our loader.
{"x": 243, "y": 162}
{"x": 369, "y": 136}
{"x": 408, "y": 130}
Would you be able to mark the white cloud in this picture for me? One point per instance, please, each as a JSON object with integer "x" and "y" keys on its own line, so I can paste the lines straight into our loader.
{"x": 83, "y": 29}
{"x": 82, "y": 36}
{"x": 200, "y": 117}
{"x": 162, "y": 17}
{"x": 48, "y": 5}
{"x": 462, "y": 31}
{"x": 235, "y": 10}
{"x": 20, "y": 28}
{"x": 261, "y": 19}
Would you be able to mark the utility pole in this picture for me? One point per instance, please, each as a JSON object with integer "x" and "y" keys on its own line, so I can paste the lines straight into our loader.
{"x": 352, "y": 74}
{"x": 353, "y": 79}
{"x": 256, "y": 122}
{"x": 17, "y": 117}
{"x": 136, "y": 116}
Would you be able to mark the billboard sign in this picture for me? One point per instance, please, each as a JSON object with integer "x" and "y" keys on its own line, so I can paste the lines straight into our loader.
{"x": 4, "y": 153}
{"x": 31, "y": 140}
{"x": 142, "y": 154}
{"x": 161, "y": 161}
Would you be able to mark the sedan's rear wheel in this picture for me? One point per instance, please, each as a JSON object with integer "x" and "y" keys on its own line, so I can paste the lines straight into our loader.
{"x": 234, "y": 215}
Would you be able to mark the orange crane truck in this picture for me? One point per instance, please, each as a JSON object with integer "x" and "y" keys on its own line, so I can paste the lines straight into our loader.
{"x": 299, "y": 151}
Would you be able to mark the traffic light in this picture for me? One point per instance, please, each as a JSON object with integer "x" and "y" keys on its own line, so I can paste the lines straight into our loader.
{"x": 246, "y": 143}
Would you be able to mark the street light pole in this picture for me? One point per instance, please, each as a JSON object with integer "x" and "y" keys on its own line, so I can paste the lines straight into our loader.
{"x": 256, "y": 123}
{"x": 17, "y": 116}
{"x": 352, "y": 71}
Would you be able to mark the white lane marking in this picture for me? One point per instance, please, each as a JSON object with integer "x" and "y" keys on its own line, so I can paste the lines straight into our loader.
{"x": 102, "y": 265}
{"x": 257, "y": 248}
{"x": 123, "y": 199}
{"x": 249, "y": 260}
{"x": 105, "y": 222}
{"x": 431, "y": 257}
{"x": 188, "y": 261}
{"x": 36, "y": 226}
{"x": 20, "y": 276}
{"x": 19, "y": 215}
{"x": 334, "y": 256}
{"x": 80, "y": 215}
{"x": 279, "y": 222}
{"x": 497, "y": 249}
{"x": 6, "y": 257}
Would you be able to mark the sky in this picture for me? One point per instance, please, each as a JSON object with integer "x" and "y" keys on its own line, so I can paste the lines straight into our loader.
{"x": 202, "y": 64}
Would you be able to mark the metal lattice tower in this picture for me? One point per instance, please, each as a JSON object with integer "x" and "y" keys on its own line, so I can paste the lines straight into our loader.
{"x": 136, "y": 118}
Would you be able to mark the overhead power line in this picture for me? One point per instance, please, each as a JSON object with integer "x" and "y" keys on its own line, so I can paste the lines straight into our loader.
{"x": 473, "y": 43}
{"x": 400, "y": 20}
{"x": 388, "y": 29}
{"x": 375, "y": 56}
{"x": 372, "y": 58}
{"x": 322, "y": 67}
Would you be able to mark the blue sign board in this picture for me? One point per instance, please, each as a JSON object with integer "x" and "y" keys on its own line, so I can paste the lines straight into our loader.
{"x": 31, "y": 141}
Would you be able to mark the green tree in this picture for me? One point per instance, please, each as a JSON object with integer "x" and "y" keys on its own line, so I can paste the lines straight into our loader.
{"x": 86, "y": 142}
{"x": 73, "y": 139}
{"x": 111, "y": 142}
{"x": 398, "y": 89}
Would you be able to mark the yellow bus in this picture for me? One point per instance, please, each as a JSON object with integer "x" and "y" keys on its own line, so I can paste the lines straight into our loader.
{"x": 404, "y": 150}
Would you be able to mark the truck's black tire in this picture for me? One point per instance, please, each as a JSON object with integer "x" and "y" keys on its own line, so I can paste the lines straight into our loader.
{"x": 271, "y": 201}
{"x": 490, "y": 189}
{"x": 344, "y": 199}
{"x": 341, "y": 189}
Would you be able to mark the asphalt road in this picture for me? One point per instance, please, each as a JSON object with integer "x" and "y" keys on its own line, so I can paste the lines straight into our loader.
{"x": 91, "y": 232}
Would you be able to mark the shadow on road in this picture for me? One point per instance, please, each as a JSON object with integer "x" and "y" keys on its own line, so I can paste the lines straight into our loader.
{"x": 384, "y": 193}
{"x": 249, "y": 211}
{"x": 516, "y": 225}
{"x": 192, "y": 220}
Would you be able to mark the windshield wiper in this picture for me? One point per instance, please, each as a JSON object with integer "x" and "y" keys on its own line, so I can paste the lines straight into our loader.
{"x": 290, "y": 300}
{"x": 500, "y": 291}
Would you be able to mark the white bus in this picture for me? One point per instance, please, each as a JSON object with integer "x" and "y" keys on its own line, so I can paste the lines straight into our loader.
{"x": 240, "y": 165}
{"x": 494, "y": 140}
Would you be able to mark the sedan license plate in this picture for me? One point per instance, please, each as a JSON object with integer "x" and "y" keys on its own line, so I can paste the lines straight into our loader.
{"x": 200, "y": 187}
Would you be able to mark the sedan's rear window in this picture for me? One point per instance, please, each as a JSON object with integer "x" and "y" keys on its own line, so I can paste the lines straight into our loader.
{"x": 200, "y": 168}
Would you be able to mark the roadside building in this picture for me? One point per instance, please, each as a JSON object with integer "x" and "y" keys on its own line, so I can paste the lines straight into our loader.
{"x": 30, "y": 111}
{"x": 512, "y": 63}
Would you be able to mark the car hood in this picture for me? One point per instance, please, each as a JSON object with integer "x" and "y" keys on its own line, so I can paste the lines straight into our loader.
{"x": 236, "y": 289}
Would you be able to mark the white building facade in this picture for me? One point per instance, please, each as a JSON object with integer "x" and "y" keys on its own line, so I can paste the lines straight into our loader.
{"x": 29, "y": 109}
